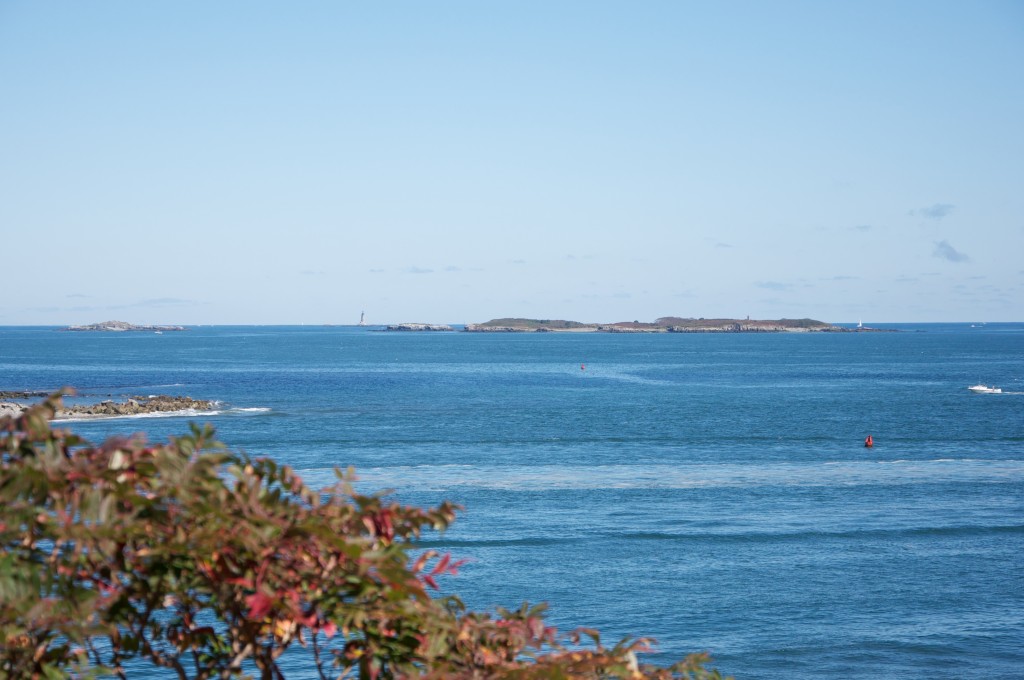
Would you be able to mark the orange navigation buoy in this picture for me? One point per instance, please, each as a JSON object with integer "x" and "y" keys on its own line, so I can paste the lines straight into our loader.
{"x": 869, "y": 442}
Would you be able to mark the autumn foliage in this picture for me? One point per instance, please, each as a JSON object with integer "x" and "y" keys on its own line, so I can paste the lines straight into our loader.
{"x": 209, "y": 563}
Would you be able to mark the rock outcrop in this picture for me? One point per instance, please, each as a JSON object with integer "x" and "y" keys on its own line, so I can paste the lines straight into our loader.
{"x": 132, "y": 406}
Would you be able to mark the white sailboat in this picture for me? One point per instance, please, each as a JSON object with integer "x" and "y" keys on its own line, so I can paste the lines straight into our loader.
{"x": 362, "y": 319}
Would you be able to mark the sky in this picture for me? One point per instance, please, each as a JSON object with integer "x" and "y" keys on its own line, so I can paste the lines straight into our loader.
{"x": 197, "y": 162}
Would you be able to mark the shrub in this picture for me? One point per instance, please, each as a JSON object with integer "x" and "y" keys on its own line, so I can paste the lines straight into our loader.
{"x": 210, "y": 563}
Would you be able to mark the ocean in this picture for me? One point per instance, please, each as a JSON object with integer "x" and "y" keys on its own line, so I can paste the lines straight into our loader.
{"x": 710, "y": 491}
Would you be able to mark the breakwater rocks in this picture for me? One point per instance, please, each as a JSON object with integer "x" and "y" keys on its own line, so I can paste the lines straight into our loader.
{"x": 419, "y": 327}
{"x": 132, "y": 406}
{"x": 121, "y": 327}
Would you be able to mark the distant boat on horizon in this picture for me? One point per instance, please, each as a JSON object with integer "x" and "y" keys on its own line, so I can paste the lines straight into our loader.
{"x": 362, "y": 319}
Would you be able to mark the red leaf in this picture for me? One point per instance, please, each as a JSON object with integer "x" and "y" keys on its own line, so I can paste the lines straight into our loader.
{"x": 259, "y": 605}
{"x": 442, "y": 564}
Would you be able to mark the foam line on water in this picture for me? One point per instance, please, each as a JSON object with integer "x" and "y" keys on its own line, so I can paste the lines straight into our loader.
{"x": 554, "y": 477}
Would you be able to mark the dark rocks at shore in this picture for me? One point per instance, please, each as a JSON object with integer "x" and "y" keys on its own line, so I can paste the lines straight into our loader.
{"x": 122, "y": 326}
{"x": 131, "y": 406}
{"x": 15, "y": 394}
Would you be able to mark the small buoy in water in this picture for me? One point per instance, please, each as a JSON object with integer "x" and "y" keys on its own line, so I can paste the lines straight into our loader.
{"x": 869, "y": 442}
{"x": 583, "y": 367}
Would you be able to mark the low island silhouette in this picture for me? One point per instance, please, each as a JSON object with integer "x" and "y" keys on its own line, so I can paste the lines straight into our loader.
{"x": 665, "y": 324}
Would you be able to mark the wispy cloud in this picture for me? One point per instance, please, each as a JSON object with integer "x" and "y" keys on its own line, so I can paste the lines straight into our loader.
{"x": 862, "y": 227}
{"x": 843, "y": 278}
{"x": 377, "y": 271}
{"x": 944, "y": 251}
{"x": 311, "y": 272}
{"x": 773, "y": 285}
{"x": 935, "y": 211}
{"x": 78, "y": 295}
{"x": 418, "y": 270}
{"x": 724, "y": 245}
{"x": 160, "y": 302}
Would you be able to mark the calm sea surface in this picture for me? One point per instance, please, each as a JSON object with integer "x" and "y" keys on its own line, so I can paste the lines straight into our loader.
{"x": 711, "y": 491}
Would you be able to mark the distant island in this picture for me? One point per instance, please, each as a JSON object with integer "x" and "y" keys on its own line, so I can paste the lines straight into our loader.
{"x": 666, "y": 324}
{"x": 121, "y": 327}
{"x": 418, "y": 327}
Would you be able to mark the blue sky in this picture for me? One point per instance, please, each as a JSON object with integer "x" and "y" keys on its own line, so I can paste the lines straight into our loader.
{"x": 246, "y": 162}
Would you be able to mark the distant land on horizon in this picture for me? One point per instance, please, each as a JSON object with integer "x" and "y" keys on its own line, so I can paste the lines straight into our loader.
{"x": 667, "y": 324}
{"x": 121, "y": 327}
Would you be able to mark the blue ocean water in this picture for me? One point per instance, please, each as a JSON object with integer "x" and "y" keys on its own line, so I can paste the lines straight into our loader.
{"x": 711, "y": 491}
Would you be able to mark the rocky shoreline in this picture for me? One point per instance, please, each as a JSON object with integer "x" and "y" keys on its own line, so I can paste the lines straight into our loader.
{"x": 132, "y": 406}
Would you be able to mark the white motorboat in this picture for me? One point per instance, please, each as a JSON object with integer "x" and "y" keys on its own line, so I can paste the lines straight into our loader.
{"x": 984, "y": 389}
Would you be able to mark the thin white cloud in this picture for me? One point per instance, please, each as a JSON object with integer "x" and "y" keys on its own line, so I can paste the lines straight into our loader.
{"x": 773, "y": 285}
{"x": 936, "y": 211}
{"x": 157, "y": 302}
{"x": 418, "y": 270}
{"x": 945, "y": 251}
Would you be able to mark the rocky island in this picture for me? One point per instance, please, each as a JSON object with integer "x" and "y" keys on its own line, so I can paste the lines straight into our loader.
{"x": 419, "y": 327}
{"x": 131, "y": 406}
{"x": 121, "y": 327}
{"x": 666, "y": 324}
